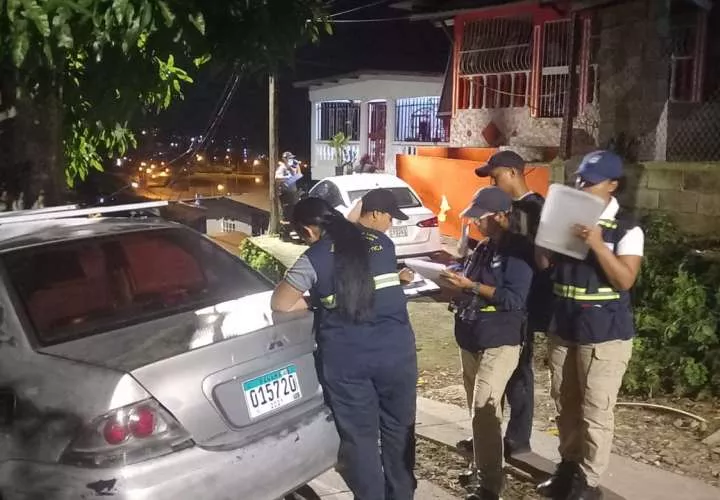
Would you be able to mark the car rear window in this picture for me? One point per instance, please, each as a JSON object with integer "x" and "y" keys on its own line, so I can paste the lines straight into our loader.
{"x": 405, "y": 198}
{"x": 82, "y": 287}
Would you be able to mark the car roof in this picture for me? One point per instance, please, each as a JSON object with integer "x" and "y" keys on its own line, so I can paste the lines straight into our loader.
{"x": 356, "y": 182}
{"x": 14, "y": 236}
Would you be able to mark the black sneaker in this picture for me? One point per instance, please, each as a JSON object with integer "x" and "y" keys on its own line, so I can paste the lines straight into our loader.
{"x": 561, "y": 482}
{"x": 580, "y": 490}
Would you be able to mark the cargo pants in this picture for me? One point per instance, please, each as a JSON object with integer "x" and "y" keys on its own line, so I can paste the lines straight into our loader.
{"x": 585, "y": 384}
{"x": 485, "y": 376}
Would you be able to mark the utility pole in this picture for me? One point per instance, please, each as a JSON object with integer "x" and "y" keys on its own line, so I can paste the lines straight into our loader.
{"x": 571, "y": 87}
{"x": 274, "y": 226}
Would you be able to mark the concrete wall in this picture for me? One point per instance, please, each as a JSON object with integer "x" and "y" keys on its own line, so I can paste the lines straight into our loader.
{"x": 689, "y": 192}
{"x": 515, "y": 125}
{"x": 633, "y": 74}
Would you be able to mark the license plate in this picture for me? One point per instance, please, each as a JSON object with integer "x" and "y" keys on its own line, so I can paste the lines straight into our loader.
{"x": 398, "y": 232}
{"x": 271, "y": 391}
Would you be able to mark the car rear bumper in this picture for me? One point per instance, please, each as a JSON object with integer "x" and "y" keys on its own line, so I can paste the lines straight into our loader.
{"x": 425, "y": 249}
{"x": 266, "y": 469}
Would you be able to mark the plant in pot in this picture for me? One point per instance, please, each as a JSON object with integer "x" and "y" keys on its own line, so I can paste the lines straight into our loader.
{"x": 339, "y": 143}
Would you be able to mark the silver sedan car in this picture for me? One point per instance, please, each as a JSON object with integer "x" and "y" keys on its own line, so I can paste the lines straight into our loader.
{"x": 140, "y": 360}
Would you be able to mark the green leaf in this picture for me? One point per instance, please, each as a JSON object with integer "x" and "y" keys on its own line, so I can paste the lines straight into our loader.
{"x": 119, "y": 7}
{"x": 167, "y": 14}
{"x": 21, "y": 44}
{"x": 198, "y": 20}
{"x": 199, "y": 61}
{"x": 38, "y": 16}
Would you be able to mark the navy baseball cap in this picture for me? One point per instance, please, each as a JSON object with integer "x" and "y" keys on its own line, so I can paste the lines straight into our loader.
{"x": 488, "y": 200}
{"x": 600, "y": 166}
{"x": 382, "y": 200}
{"x": 509, "y": 159}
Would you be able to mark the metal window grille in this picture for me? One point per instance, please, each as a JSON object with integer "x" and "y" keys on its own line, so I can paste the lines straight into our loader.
{"x": 555, "y": 64}
{"x": 416, "y": 120}
{"x": 683, "y": 55}
{"x": 494, "y": 63}
{"x": 339, "y": 116}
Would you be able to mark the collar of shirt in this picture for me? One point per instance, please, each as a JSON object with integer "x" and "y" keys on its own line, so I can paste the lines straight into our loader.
{"x": 611, "y": 210}
{"x": 525, "y": 195}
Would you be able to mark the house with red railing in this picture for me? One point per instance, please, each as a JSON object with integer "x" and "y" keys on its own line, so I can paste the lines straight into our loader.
{"x": 552, "y": 78}
{"x": 548, "y": 74}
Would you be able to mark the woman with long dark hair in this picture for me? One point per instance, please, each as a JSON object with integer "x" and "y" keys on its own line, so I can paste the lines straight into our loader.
{"x": 366, "y": 347}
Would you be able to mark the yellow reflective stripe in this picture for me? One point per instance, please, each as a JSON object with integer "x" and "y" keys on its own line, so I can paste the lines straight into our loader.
{"x": 610, "y": 224}
{"x": 328, "y": 301}
{"x": 488, "y": 309}
{"x": 386, "y": 280}
{"x": 381, "y": 281}
{"x": 578, "y": 293}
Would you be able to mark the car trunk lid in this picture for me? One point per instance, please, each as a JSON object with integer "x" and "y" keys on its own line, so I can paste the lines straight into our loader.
{"x": 228, "y": 373}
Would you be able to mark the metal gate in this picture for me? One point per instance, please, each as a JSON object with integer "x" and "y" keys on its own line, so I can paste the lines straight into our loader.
{"x": 376, "y": 134}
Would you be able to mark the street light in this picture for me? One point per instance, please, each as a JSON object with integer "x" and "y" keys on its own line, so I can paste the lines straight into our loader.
{"x": 220, "y": 188}
{"x": 199, "y": 158}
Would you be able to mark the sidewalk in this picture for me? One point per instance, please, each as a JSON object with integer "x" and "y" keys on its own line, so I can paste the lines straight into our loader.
{"x": 447, "y": 424}
{"x": 330, "y": 486}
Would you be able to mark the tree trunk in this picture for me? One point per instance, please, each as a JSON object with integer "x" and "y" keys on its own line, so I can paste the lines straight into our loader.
{"x": 32, "y": 146}
{"x": 274, "y": 225}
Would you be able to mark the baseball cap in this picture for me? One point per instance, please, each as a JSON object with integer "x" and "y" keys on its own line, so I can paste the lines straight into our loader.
{"x": 505, "y": 158}
{"x": 382, "y": 200}
{"x": 488, "y": 200}
{"x": 288, "y": 154}
{"x": 600, "y": 166}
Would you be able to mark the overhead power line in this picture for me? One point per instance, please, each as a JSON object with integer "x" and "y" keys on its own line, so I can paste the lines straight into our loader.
{"x": 355, "y": 9}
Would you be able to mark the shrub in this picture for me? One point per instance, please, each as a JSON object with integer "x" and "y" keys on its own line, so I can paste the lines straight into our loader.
{"x": 261, "y": 261}
{"x": 677, "y": 350}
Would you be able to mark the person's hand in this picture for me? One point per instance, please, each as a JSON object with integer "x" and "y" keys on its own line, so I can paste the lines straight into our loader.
{"x": 456, "y": 280}
{"x": 590, "y": 235}
{"x": 406, "y": 275}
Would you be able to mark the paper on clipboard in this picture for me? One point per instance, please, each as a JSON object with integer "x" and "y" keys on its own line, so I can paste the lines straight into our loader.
{"x": 428, "y": 270}
{"x": 563, "y": 208}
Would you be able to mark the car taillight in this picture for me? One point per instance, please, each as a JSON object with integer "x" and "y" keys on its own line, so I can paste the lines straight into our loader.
{"x": 127, "y": 435}
{"x": 431, "y": 222}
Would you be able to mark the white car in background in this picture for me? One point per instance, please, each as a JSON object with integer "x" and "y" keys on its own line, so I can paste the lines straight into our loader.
{"x": 418, "y": 236}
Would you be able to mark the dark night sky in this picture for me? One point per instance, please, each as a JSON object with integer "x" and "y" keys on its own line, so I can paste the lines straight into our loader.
{"x": 396, "y": 45}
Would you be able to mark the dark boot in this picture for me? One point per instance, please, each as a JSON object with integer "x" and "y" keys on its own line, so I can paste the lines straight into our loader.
{"x": 482, "y": 494}
{"x": 580, "y": 490}
{"x": 512, "y": 448}
{"x": 561, "y": 482}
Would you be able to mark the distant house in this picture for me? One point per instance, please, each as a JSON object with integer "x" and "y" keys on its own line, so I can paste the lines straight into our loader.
{"x": 383, "y": 114}
{"x": 647, "y": 77}
{"x": 214, "y": 216}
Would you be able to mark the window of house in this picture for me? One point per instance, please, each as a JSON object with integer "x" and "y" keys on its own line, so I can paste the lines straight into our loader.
{"x": 495, "y": 55}
{"x": 338, "y": 116}
{"x": 416, "y": 120}
{"x": 687, "y": 43}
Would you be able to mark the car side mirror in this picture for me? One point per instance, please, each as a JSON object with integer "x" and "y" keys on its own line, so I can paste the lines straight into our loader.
{"x": 8, "y": 407}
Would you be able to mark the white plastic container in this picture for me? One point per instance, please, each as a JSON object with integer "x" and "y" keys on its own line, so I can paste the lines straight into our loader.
{"x": 565, "y": 207}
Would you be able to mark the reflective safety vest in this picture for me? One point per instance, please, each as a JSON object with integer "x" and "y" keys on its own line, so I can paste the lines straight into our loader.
{"x": 478, "y": 324}
{"x": 390, "y": 316}
{"x": 588, "y": 310}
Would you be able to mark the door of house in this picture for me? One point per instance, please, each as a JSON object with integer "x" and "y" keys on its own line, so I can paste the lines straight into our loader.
{"x": 376, "y": 134}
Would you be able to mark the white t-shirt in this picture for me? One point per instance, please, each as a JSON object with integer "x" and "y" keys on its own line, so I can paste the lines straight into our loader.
{"x": 633, "y": 243}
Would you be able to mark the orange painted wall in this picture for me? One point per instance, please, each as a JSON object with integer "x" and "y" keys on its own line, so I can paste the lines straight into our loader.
{"x": 434, "y": 177}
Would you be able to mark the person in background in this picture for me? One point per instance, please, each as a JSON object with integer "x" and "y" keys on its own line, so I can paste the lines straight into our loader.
{"x": 286, "y": 185}
{"x": 506, "y": 170}
{"x": 490, "y": 326}
{"x": 590, "y": 335}
{"x": 366, "y": 347}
